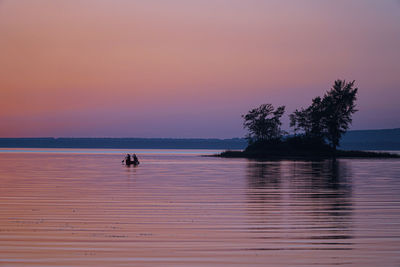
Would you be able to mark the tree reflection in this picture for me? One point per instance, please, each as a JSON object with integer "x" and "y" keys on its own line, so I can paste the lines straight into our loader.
{"x": 301, "y": 200}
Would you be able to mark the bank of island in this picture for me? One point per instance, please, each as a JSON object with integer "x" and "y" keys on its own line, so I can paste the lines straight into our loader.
{"x": 317, "y": 129}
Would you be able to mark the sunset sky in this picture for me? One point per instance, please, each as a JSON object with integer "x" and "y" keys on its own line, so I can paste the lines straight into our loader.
{"x": 120, "y": 68}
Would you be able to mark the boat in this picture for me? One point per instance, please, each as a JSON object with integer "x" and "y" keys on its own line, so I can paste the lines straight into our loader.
{"x": 134, "y": 163}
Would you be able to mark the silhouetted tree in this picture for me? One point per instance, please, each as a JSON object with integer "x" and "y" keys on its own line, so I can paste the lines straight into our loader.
{"x": 263, "y": 123}
{"x": 339, "y": 105}
{"x": 330, "y": 117}
{"x": 309, "y": 120}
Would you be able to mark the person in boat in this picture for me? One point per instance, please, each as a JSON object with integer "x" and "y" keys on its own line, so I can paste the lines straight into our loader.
{"x": 128, "y": 159}
{"x": 135, "y": 159}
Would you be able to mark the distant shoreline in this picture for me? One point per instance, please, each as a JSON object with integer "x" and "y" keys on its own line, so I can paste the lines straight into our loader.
{"x": 388, "y": 139}
{"x": 124, "y": 143}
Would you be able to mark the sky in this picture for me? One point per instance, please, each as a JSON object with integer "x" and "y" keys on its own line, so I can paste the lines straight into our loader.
{"x": 185, "y": 69}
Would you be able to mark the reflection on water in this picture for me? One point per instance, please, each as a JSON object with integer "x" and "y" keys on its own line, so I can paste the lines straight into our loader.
{"x": 301, "y": 197}
{"x": 177, "y": 209}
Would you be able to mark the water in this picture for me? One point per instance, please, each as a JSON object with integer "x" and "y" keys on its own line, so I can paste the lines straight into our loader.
{"x": 83, "y": 207}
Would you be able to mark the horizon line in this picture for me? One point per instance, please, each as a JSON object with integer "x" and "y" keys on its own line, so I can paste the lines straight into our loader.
{"x": 199, "y": 138}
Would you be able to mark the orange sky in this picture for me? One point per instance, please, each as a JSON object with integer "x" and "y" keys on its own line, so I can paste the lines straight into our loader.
{"x": 188, "y": 68}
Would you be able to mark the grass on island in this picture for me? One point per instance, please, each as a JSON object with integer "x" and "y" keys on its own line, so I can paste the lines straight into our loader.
{"x": 299, "y": 148}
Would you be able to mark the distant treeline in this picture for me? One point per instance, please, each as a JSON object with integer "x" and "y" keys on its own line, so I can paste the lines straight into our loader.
{"x": 141, "y": 143}
{"x": 387, "y": 139}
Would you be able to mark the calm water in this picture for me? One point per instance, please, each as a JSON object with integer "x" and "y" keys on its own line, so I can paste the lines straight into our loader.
{"x": 82, "y": 207}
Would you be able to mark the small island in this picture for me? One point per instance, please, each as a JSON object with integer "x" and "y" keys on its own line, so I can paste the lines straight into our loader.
{"x": 317, "y": 129}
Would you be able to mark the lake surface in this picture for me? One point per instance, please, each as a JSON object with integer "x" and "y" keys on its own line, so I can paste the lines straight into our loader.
{"x": 84, "y": 208}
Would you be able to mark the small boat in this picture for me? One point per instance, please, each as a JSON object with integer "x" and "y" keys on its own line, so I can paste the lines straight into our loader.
{"x": 131, "y": 161}
{"x": 134, "y": 163}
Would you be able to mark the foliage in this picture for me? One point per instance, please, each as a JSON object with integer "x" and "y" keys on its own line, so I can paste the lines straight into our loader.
{"x": 309, "y": 120}
{"x": 327, "y": 118}
{"x": 339, "y": 106}
{"x": 263, "y": 123}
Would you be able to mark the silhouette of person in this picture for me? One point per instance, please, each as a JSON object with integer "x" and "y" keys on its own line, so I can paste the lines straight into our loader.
{"x": 128, "y": 159}
{"x": 135, "y": 159}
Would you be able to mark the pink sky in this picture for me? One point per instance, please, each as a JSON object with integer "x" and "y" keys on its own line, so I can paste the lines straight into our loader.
{"x": 189, "y": 68}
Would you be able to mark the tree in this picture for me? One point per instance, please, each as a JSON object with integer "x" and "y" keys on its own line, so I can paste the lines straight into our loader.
{"x": 339, "y": 106}
{"x": 309, "y": 120}
{"x": 263, "y": 123}
{"x": 330, "y": 117}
